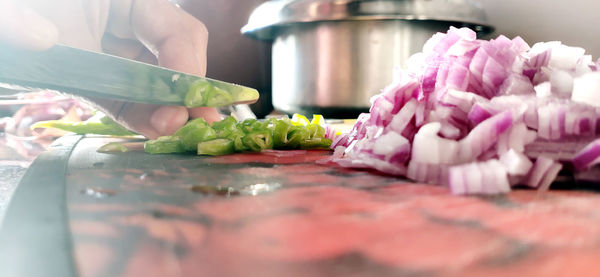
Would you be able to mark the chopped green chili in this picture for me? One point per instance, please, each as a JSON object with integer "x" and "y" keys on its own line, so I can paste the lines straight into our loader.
{"x": 229, "y": 136}
{"x": 194, "y": 132}
{"x": 217, "y": 97}
{"x": 105, "y": 126}
{"x": 258, "y": 140}
{"x": 112, "y": 147}
{"x": 164, "y": 145}
{"x": 216, "y": 147}
{"x": 197, "y": 94}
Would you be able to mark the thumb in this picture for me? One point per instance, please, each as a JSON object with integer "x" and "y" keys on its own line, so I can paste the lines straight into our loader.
{"x": 22, "y": 27}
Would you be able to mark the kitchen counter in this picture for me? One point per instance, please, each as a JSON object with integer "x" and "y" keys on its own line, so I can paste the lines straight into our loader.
{"x": 79, "y": 212}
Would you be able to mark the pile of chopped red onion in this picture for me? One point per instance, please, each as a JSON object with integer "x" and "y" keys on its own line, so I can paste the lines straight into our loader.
{"x": 482, "y": 116}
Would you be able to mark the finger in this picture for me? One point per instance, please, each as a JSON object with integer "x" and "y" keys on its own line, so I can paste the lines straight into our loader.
{"x": 168, "y": 119}
{"x": 81, "y": 23}
{"x": 119, "y": 23}
{"x": 209, "y": 114}
{"x": 126, "y": 48}
{"x": 22, "y": 27}
{"x": 147, "y": 57}
{"x": 177, "y": 39}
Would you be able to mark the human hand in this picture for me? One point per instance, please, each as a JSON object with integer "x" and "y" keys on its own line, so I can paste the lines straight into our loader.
{"x": 152, "y": 31}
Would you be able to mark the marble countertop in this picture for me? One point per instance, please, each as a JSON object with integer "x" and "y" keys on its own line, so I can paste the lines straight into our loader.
{"x": 15, "y": 157}
{"x": 11, "y": 174}
{"x": 280, "y": 213}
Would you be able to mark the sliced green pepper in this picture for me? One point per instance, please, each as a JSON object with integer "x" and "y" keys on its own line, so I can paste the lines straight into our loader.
{"x": 217, "y": 97}
{"x": 112, "y": 147}
{"x": 197, "y": 93}
{"x": 225, "y": 127}
{"x": 216, "y": 147}
{"x": 315, "y": 131}
{"x": 238, "y": 143}
{"x": 315, "y": 143}
{"x": 281, "y": 129}
{"x": 250, "y": 125}
{"x": 258, "y": 140}
{"x": 194, "y": 132}
{"x": 106, "y": 126}
{"x": 164, "y": 145}
{"x": 296, "y": 135}
{"x": 229, "y": 136}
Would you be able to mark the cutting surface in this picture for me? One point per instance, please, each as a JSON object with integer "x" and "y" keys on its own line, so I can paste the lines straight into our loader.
{"x": 283, "y": 214}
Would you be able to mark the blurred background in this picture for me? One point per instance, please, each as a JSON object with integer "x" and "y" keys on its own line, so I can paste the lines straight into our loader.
{"x": 231, "y": 56}
{"x": 575, "y": 22}
{"x": 235, "y": 58}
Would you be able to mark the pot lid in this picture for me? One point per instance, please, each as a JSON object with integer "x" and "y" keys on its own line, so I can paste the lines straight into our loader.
{"x": 268, "y": 18}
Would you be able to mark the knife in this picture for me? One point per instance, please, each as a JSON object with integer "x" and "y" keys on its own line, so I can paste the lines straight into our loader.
{"x": 90, "y": 74}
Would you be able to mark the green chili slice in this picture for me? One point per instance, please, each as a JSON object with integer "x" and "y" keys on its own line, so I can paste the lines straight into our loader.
{"x": 297, "y": 135}
{"x": 106, "y": 126}
{"x": 281, "y": 129}
{"x": 164, "y": 145}
{"x": 197, "y": 93}
{"x": 194, "y": 132}
{"x": 112, "y": 147}
{"x": 217, "y": 97}
{"x": 258, "y": 140}
{"x": 225, "y": 127}
{"x": 315, "y": 143}
{"x": 216, "y": 147}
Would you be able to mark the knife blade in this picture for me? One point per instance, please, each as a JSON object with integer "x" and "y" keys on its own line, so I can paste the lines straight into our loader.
{"x": 90, "y": 74}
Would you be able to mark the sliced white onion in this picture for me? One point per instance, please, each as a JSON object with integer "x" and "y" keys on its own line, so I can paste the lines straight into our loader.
{"x": 588, "y": 156}
{"x": 543, "y": 90}
{"x": 516, "y": 84}
{"x": 565, "y": 57}
{"x": 487, "y": 177}
{"x": 461, "y": 99}
{"x": 484, "y": 136}
{"x": 516, "y": 163}
{"x": 429, "y": 148}
{"x": 404, "y": 116}
{"x": 391, "y": 143}
{"x": 540, "y": 169}
{"x": 562, "y": 83}
{"x": 549, "y": 176}
{"x": 586, "y": 89}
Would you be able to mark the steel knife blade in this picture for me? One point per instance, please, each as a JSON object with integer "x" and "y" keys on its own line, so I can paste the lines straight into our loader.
{"x": 90, "y": 74}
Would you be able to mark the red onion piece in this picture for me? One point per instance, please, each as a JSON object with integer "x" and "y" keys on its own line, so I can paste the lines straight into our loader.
{"x": 516, "y": 163}
{"x": 474, "y": 115}
{"x": 586, "y": 89}
{"x": 588, "y": 156}
{"x": 542, "y": 173}
{"x": 487, "y": 177}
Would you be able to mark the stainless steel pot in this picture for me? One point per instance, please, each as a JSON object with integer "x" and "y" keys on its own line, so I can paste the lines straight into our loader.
{"x": 331, "y": 56}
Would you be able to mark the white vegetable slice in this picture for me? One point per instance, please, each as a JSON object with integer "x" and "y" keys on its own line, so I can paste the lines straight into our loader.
{"x": 586, "y": 89}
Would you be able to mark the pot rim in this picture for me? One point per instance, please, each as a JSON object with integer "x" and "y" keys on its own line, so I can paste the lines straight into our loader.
{"x": 271, "y": 18}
